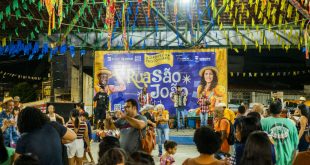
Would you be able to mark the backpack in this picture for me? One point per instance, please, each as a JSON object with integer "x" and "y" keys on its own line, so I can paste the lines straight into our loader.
{"x": 231, "y": 136}
{"x": 148, "y": 141}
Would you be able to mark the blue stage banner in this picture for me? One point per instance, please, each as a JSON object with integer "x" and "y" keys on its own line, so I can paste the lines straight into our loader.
{"x": 160, "y": 71}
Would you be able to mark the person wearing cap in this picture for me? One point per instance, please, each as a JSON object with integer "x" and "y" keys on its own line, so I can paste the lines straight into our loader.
{"x": 103, "y": 76}
{"x": 146, "y": 111}
{"x": 302, "y": 100}
{"x": 209, "y": 84}
{"x": 17, "y": 102}
{"x": 144, "y": 97}
{"x": 228, "y": 114}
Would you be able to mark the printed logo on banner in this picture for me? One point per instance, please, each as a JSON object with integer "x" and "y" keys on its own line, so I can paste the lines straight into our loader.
{"x": 137, "y": 58}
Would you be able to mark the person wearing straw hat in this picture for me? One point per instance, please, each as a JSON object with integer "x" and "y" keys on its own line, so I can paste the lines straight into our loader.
{"x": 8, "y": 124}
{"x": 103, "y": 76}
{"x": 209, "y": 85}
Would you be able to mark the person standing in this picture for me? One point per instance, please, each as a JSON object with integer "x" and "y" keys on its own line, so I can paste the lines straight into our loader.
{"x": 130, "y": 124}
{"x": 162, "y": 129}
{"x": 222, "y": 125}
{"x": 283, "y": 132}
{"x": 8, "y": 125}
{"x": 41, "y": 137}
{"x": 302, "y": 126}
{"x": 144, "y": 97}
{"x": 75, "y": 149}
{"x": 102, "y": 105}
{"x": 179, "y": 98}
{"x": 54, "y": 116}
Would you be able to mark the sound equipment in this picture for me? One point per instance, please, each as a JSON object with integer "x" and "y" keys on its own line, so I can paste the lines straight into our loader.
{"x": 60, "y": 71}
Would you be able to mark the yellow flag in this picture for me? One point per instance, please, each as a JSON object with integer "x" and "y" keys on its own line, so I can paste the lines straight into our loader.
{"x": 265, "y": 21}
{"x": 247, "y": 14}
{"x": 251, "y": 3}
{"x": 260, "y": 49}
{"x": 260, "y": 16}
{"x": 274, "y": 10}
{"x": 245, "y": 47}
{"x": 256, "y": 44}
{"x": 268, "y": 9}
{"x": 234, "y": 23}
{"x": 244, "y": 25}
{"x": 3, "y": 42}
{"x": 240, "y": 19}
{"x": 236, "y": 50}
{"x": 280, "y": 19}
{"x": 289, "y": 11}
{"x": 231, "y": 4}
{"x": 256, "y": 9}
{"x": 296, "y": 18}
{"x": 227, "y": 9}
{"x": 283, "y": 3}
{"x": 273, "y": 19}
{"x": 253, "y": 22}
{"x": 221, "y": 26}
{"x": 242, "y": 7}
{"x": 236, "y": 12}
{"x": 230, "y": 15}
{"x": 298, "y": 46}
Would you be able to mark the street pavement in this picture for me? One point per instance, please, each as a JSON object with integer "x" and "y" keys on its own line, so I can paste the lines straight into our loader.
{"x": 183, "y": 152}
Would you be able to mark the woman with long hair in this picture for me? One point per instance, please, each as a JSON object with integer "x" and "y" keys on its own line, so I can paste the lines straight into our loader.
{"x": 6, "y": 153}
{"x": 209, "y": 84}
{"x": 76, "y": 148}
{"x": 41, "y": 137}
{"x": 257, "y": 150}
{"x": 302, "y": 124}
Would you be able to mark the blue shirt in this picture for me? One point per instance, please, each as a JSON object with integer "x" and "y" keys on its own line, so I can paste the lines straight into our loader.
{"x": 10, "y": 134}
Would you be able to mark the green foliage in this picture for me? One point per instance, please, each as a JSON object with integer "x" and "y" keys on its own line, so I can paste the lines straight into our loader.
{"x": 25, "y": 91}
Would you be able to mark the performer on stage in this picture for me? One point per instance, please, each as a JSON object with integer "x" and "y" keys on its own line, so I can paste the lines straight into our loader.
{"x": 209, "y": 85}
{"x": 144, "y": 97}
{"x": 102, "y": 105}
{"x": 179, "y": 98}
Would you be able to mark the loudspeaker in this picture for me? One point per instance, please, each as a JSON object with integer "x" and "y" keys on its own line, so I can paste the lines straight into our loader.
{"x": 62, "y": 109}
{"x": 60, "y": 71}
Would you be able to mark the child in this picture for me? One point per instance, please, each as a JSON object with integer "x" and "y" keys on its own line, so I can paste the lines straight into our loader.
{"x": 109, "y": 129}
{"x": 167, "y": 158}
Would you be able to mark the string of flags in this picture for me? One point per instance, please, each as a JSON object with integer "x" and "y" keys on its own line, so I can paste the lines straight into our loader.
{"x": 269, "y": 74}
{"x": 4, "y": 74}
{"x": 32, "y": 50}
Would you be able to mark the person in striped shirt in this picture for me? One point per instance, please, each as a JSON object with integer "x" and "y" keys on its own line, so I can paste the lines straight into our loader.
{"x": 76, "y": 148}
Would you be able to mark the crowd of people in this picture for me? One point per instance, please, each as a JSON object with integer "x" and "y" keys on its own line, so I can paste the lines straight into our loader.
{"x": 255, "y": 136}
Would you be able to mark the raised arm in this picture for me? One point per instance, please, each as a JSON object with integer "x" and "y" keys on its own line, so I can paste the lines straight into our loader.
{"x": 139, "y": 124}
